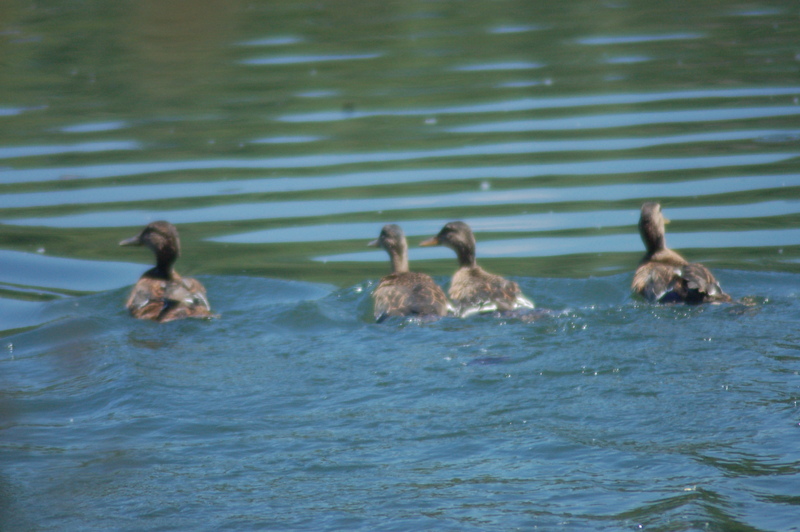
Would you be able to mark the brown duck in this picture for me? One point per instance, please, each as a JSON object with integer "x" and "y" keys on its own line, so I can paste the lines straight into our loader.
{"x": 161, "y": 294}
{"x": 402, "y": 292}
{"x": 472, "y": 288}
{"x": 663, "y": 275}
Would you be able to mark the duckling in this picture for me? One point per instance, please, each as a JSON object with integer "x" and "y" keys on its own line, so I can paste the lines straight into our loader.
{"x": 161, "y": 294}
{"x": 402, "y": 292}
{"x": 472, "y": 288}
{"x": 663, "y": 275}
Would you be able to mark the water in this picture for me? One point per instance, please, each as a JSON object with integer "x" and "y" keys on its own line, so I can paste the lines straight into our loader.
{"x": 280, "y": 137}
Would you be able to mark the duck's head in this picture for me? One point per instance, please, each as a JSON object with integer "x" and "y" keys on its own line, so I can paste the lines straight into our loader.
{"x": 393, "y": 240}
{"x": 162, "y": 238}
{"x": 652, "y": 227}
{"x": 458, "y": 237}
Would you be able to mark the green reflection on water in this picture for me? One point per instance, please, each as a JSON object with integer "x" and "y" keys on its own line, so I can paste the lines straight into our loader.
{"x": 411, "y": 112}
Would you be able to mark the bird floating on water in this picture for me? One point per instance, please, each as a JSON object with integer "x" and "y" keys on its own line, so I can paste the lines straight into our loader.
{"x": 403, "y": 292}
{"x": 473, "y": 289}
{"x": 663, "y": 275}
{"x": 161, "y": 294}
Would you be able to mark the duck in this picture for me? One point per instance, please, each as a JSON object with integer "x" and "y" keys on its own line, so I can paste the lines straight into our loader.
{"x": 473, "y": 289}
{"x": 663, "y": 275}
{"x": 161, "y": 294}
{"x": 403, "y": 292}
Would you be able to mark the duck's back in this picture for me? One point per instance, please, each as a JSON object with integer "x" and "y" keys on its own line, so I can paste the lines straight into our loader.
{"x": 166, "y": 300}
{"x": 476, "y": 290}
{"x": 409, "y": 293}
{"x": 690, "y": 283}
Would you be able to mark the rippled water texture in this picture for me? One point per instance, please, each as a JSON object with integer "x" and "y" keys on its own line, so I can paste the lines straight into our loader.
{"x": 280, "y": 137}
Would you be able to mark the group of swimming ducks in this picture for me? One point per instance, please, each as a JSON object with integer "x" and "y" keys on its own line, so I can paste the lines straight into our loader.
{"x": 663, "y": 276}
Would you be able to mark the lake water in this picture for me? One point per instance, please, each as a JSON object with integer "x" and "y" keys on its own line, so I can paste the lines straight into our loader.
{"x": 279, "y": 137}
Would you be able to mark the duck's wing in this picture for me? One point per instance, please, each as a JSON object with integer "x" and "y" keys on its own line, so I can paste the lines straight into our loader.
{"x": 656, "y": 282}
{"x": 520, "y": 301}
{"x": 507, "y": 294}
{"x": 701, "y": 285}
{"x": 162, "y": 300}
{"x": 523, "y": 302}
{"x": 476, "y": 290}
{"x": 185, "y": 298}
{"x": 432, "y": 297}
{"x": 389, "y": 299}
{"x": 687, "y": 283}
{"x": 409, "y": 293}
{"x": 187, "y": 292}
{"x": 146, "y": 300}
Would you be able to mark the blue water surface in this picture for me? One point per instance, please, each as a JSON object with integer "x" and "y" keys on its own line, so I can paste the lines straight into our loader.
{"x": 293, "y": 411}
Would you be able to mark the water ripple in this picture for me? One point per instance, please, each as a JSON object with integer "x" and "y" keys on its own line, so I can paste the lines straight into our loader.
{"x": 621, "y": 243}
{"x": 611, "y": 191}
{"x": 627, "y": 119}
{"x": 298, "y": 139}
{"x": 11, "y": 152}
{"x": 627, "y": 59}
{"x": 95, "y": 127}
{"x": 294, "y": 209}
{"x": 635, "y": 39}
{"x": 551, "y": 221}
{"x": 299, "y": 59}
{"x": 14, "y": 111}
{"x": 272, "y": 41}
{"x": 499, "y": 66}
{"x": 36, "y": 269}
{"x": 530, "y": 104}
{"x": 335, "y": 159}
{"x": 518, "y": 28}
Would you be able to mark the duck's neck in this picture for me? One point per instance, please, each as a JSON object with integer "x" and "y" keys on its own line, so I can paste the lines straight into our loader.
{"x": 466, "y": 256}
{"x": 652, "y": 232}
{"x": 655, "y": 244}
{"x": 164, "y": 264}
{"x": 665, "y": 256}
{"x": 399, "y": 262}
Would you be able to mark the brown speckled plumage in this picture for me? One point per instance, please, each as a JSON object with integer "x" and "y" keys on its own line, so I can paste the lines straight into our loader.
{"x": 473, "y": 289}
{"x": 663, "y": 275}
{"x": 161, "y": 294}
{"x": 404, "y": 293}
